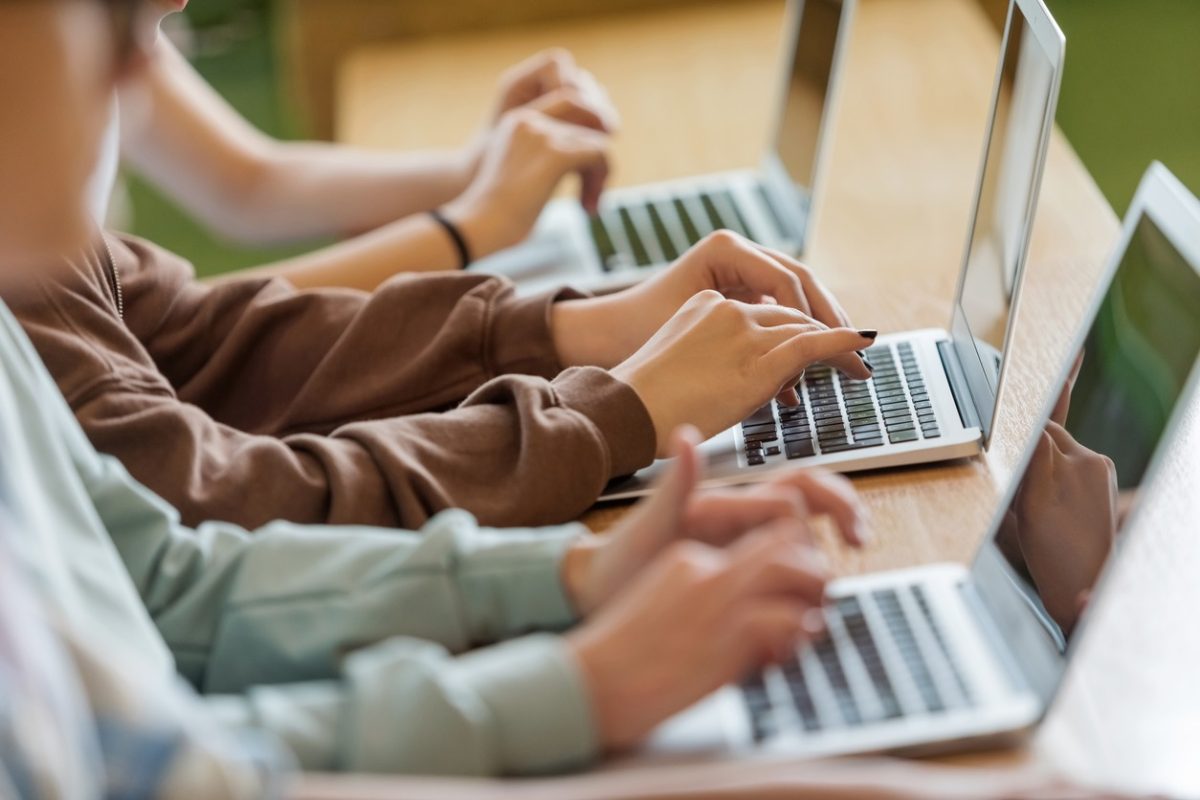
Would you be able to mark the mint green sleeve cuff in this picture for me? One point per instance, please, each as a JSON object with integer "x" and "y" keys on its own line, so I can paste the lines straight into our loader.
{"x": 511, "y": 580}
{"x": 407, "y": 707}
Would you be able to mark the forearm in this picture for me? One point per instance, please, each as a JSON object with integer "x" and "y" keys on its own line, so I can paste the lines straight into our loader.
{"x": 303, "y": 190}
{"x": 412, "y": 244}
{"x": 251, "y": 187}
{"x": 594, "y": 331}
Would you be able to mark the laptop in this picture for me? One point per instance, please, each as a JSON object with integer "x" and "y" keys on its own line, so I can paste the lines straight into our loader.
{"x": 933, "y": 393}
{"x": 641, "y": 228}
{"x": 942, "y": 657}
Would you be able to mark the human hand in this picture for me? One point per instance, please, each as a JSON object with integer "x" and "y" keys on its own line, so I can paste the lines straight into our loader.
{"x": 552, "y": 77}
{"x": 717, "y": 360}
{"x": 529, "y": 152}
{"x": 697, "y": 618}
{"x": 1065, "y": 519}
{"x": 604, "y": 331}
{"x": 599, "y": 567}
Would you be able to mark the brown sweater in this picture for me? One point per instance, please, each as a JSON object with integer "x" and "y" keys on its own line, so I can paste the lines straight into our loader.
{"x": 251, "y": 401}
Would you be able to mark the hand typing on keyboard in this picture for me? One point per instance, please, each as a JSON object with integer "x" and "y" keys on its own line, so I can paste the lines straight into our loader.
{"x": 719, "y": 359}
{"x": 692, "y": 591}
{"x": 604, "y": 331}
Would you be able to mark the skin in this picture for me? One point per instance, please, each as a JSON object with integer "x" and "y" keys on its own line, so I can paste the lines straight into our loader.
{"x": 51, "y": 144}
{"x": 252, "y": 188}
{"x": 551, "y": 119}
{"x": 681, "y": 574}
{"x": 1063, "y": 521}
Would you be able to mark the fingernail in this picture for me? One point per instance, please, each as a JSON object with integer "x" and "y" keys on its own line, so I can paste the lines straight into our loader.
{"x": 868, "y": 333}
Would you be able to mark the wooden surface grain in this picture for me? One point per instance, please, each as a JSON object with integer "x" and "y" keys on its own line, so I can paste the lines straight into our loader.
{"x": 696, "y": 88}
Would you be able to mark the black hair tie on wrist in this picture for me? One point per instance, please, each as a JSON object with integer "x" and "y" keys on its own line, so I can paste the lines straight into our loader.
{"x": 460, "y": 244}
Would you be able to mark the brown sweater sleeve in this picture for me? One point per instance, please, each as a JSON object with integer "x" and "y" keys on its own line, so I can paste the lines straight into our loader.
{"x": 246, "y": 402}
{"x": 261, "y": 356}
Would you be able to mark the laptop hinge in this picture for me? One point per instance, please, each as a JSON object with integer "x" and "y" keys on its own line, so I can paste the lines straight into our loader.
{"x": 958, "y": 385}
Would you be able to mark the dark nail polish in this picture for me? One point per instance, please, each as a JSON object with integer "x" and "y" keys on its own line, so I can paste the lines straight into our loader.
{"x": 869, "y": 333}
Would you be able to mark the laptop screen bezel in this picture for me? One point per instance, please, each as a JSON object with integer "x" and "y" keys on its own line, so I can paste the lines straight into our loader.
{"x": 777, "y": 180}
{"x": 1176, "y": 214}
{"x": 1041, "y": 25}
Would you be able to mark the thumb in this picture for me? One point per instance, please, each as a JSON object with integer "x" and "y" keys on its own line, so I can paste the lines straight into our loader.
{"x": 668, "y": 503}
{"x": 659, "y": 518}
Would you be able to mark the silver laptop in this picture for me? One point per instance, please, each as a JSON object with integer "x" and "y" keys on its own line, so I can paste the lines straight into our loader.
{"x": 642, "y": 228}
{"x": 933, "y": 393}
{"x": 943, "y": 656}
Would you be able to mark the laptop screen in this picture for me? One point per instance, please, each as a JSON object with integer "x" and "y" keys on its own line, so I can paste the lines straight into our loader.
{"x": 1085, "y": 472}
{"x": 1023, "y": 107}
{"x": 806, "y": 90}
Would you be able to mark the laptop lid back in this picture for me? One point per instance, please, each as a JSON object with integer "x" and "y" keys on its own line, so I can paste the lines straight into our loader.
{"x": 1132, "y": 376}
{"x": 820, "y": 31}
{"x": 1018, "y": 134}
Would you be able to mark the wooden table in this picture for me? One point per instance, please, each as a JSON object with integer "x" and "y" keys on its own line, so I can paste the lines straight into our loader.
{"x": 696, "y": 88}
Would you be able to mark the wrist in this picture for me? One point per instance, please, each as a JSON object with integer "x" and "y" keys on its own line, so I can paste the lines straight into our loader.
{"x": 483, "y": 233}
{"x": 577, "y": 328}
{"x": 587, "y": 647}
{"x": 576, "y": 571}
{"x": 638, "y": 377}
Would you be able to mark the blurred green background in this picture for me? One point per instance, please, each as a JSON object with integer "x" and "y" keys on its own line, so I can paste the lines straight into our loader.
{"x": 1131, "y": 94}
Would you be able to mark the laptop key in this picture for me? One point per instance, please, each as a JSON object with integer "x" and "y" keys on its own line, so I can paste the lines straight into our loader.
{"x": 603, "y": 243}
{"x": 714, "y": 216}
{"x": 801, "y": 696}
{"x": 661, "y": 233}
{"x": 900, "y": 437}
{"x": 831, "y": 664}
{"x": 640, "y": 255}
{"x": 685, "y": 218}
{"x": 730, "y": 208}
{"x": 800, "y": 448}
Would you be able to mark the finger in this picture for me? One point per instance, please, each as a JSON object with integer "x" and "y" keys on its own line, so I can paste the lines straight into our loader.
{"x": 599, "y": 99}
{"x": 1063, "y": 441}
{"x": 824, "y": 306}
{"x": 796, "y": 353}
{"x": 663, "y": 513}
{"x": 526, "y": 81}
{"x": 722, "y": 517}
{"x": 826, "y": 493}
{"x": 551, "y": 69}
{"x": 585, "y": 152}
{"x": 567, "y": 105}
{"x": 852, "y": 365}
{"x": 789, "y": 396}
{"x": 592, "y": 179}
{"x": 1063, "y": 405}
{"x": 774, "y": 560}
{"x": 771, "y": 315}
{"x": 735, "y": 264}
{"x": 768, "y": 632}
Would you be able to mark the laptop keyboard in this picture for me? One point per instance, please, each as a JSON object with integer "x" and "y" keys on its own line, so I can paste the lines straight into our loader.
{"x": 884, "y": 657}
{"x": 649, "y": 232}
{"x": 837, "y": 415}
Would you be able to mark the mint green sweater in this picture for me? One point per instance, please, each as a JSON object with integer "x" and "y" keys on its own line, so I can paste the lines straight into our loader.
{"x": 359, "y": 648}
